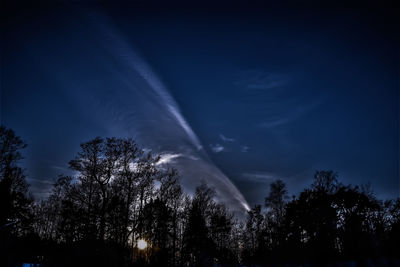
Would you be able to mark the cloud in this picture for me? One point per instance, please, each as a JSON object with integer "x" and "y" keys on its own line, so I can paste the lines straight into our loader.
{"x": 259, "y": 176}
{"x": 244, "y": 149}
{"x": 257, "y": 79}
{"x": 273, "y": 122}
{"x": 33, "y": 180}
{"x": 192, "y": 157}
{"x": 273, "y": 100}
{"x": 61, "y": 169}
{"x": 146, "y": 150}
{"x": 217, "y": 148}
{"x": 41, "y": 187}
{"x": 226, "y": 139}
{"x": 167, "y": 158}
{"x": 285, "y": 116}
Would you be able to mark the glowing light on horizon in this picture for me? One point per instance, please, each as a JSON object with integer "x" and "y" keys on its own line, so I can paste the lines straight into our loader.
{"x": 141, "y": 244}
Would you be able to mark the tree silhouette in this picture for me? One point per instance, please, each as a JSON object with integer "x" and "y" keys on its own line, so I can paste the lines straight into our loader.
{"x": 120, "y": 194}
{"x": 14, "y": 199}
{"x": 197, "y": 246}
{"x": 15, "y": 202}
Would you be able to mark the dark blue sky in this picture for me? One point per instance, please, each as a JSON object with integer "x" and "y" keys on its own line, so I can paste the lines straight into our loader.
{"x": 249, "y": 93}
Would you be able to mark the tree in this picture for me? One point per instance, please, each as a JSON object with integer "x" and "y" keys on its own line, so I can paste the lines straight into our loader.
{"x": 90, "y": 165}
{"x": 120, "y": 194}
{"x": 325, "y": 182}
{"x": 170, "y": 192}
{"x": 125, "y": 190}
{"x": 221, "y": 225}
{"x": 311, "y": 220}
{"x": 15, "y": 215}
{"x": 253, "y": 236}
{"x": 275, "y": 202}
{"x": 198, "y": 247}
{"x": 392, "y": 245}
{"x": 358, "y": 221}
{"x": 49, "y": 212}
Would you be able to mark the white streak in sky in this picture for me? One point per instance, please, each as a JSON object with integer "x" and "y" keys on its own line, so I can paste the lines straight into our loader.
{"x": 158, "y": 119}
{"x": 144, "y": 70}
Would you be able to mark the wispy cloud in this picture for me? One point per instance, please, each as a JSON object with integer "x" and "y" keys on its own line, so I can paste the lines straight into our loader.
{"x": 285, "y": 117}
{"x": 167, "y": 158}
{"x": 273, "y": 98}
{"x": 273, "y": 122}
{"x": 217, "y": 148}
{"x": 260, "y": 79}
{"x": 244, "y": 149}
{"x": 226, "y": 139}
{"x": 61, "y": 169}
{"x": 259, "y": 176}
{"x": 41, "y": 187}
{"x": 33, "y": 180}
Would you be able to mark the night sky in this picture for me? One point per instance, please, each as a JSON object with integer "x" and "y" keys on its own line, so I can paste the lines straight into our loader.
{"x": 234, "y": 95}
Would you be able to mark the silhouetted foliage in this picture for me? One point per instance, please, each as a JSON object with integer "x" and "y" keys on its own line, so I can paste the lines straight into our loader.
{"x": 14, "y": 198}
{"x": 120, "y": 194}
{"x": 15, "y": 202}
{"x": 326, "y": 223}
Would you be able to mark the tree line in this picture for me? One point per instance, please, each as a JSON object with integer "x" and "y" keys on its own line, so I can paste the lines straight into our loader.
{"x": 120, "y": 194}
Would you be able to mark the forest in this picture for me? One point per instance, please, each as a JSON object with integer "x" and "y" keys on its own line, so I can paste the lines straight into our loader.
{"x": 121, "y": 208}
